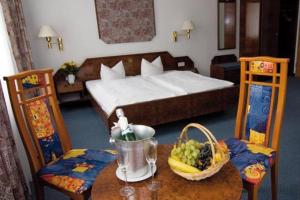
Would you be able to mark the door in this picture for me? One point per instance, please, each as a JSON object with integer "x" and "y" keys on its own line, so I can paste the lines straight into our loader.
{"x": 249, "y": 27}
{"x": 288, "y": 31}
{"x": 269, "y": 28}
{"x": 298, "y": 58}
{"x": 259, "y": 26}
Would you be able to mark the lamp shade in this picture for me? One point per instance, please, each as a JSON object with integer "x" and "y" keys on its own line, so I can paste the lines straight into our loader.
{"x": 47, "y": 31}
{"x": 187, "y": 25}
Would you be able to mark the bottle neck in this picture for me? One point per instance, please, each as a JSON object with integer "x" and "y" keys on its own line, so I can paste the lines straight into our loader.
{"x": 119, "y": 113}
{"x": 123, "y": 123}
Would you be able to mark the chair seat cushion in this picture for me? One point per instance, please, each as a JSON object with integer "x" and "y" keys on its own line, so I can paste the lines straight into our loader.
{"x": 77, "y": 170}
{"x": 250, "y": 159}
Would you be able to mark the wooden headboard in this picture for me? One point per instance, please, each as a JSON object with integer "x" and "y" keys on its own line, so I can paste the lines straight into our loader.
{"x": 90, "y": 68}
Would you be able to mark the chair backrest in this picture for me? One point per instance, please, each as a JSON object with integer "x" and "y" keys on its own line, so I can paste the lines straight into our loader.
{"x": 262, "y": 99}
{"x": 38, "y": 117}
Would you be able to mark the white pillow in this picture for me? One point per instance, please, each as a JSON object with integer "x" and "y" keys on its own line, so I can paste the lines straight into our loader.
{"x": 148, "y": 69}
{"x": 116, "y": 72}
{"x": 157, "y": 62}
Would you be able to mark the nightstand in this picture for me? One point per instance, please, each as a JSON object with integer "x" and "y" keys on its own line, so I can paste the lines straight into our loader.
{"x": 226, "y": 71}
{"x": 225, "y": 67}
{"x": 69, "y": 92}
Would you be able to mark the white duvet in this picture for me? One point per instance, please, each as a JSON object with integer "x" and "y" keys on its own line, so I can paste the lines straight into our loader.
{"x": 137, "y": 89}
{"x": 120, "y": 92}
{"x": 188, "y": 82}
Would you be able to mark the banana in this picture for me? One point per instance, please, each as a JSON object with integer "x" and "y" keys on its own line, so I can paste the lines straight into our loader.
{"x": 180, "y": 166}
{"x": 173, "y": 155}
{"x": 218, "y": 157}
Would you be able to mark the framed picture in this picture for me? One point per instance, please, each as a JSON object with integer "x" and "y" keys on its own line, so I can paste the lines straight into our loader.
{"x": 121, "y": 21}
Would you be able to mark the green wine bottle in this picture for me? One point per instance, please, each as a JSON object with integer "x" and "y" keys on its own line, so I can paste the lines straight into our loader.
{"x": 127, "y": 133}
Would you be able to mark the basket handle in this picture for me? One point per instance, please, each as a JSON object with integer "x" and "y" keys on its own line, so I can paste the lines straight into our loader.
{"x": 211, "y": 138}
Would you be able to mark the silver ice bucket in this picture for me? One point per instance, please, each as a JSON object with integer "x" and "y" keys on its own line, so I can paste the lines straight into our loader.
{"x": 138, "y": 166}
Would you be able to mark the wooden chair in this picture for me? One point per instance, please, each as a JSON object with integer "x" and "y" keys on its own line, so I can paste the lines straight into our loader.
{"x": 52, "y": 160}
{"x": 259, "y": 118}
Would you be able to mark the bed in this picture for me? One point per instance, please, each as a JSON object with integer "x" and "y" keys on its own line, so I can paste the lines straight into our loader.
{"x": 156, "y": 99}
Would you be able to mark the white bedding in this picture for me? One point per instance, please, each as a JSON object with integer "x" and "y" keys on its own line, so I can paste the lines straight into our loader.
{"x": 188, "y": 82}
{"x": 137, "y": 89}
{"x": 126, "y": 91}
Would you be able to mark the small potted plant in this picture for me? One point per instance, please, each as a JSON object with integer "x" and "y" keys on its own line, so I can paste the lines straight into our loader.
{"x": 70, "y": 68}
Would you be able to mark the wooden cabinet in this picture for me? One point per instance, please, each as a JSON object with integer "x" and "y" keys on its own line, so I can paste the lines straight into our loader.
{"x": 226, "y": 72}
{"x": 259, "y": 27}
{"x": 225, "y": 67}
{"x": 69, "y": 92}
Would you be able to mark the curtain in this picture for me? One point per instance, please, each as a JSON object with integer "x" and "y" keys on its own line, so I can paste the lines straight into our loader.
{"x": 12, "y": 181}
{"x": 16, "y": 28}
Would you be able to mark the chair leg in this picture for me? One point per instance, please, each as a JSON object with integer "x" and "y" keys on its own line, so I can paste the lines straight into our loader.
{"x": 83, "y": 196}
{"x": 274, "y": 180}
{"x": 39, "y": 190}
{"x": 252, "y": 192}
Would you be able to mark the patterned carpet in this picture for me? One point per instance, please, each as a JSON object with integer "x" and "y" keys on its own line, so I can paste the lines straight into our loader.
{"x": 87, "y": 131}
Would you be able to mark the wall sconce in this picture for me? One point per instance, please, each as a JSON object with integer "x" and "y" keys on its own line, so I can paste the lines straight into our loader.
{"x": 186, "y": 28}
{"x": 48, "y": 32}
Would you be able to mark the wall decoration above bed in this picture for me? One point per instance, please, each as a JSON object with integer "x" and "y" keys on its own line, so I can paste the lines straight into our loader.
{"x": 122, "y": 21}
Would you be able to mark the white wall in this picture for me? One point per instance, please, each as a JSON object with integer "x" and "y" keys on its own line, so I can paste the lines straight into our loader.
{"x": 76, "y": 21}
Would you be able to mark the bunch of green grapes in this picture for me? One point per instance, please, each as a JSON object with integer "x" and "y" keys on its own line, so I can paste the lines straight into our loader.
{"x": 188, "y": 152}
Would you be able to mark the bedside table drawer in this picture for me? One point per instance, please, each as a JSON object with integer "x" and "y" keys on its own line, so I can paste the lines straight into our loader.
{"x": 64, "y": 87}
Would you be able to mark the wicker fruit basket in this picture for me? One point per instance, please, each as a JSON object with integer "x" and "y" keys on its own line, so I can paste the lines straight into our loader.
{"x": 219, "y": 156}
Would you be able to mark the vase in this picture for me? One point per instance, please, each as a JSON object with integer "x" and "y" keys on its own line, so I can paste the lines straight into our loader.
{"x": 71, "y": 79}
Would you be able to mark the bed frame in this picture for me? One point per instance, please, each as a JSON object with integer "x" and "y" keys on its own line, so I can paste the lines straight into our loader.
{"x": 158, "y": 111}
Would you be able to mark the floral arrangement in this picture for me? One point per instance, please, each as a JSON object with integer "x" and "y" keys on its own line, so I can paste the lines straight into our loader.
{"x": 69, "y": 67}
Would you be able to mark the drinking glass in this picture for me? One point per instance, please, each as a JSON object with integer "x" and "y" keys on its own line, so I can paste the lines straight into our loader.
{"x": 151, "y": 157}
{"x": 123, "y": 159}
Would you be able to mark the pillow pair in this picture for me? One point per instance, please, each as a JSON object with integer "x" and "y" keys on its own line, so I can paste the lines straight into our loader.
{"x": 118, "y": 71}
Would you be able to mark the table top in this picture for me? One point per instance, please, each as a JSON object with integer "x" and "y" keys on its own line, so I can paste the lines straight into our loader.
{"x": 225, "y": 185}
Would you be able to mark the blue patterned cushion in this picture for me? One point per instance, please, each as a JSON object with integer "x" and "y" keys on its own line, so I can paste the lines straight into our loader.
{"x": 51, "y": 147}
{"x": 258, "y": 113}
{"x": 250, "y": 159}
{"x": 77, "y": 170}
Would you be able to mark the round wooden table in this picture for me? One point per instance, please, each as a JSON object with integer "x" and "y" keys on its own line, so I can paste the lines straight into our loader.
{"x": 226, "y": 184}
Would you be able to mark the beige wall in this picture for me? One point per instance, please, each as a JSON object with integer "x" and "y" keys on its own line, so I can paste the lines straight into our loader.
{"x": 76, "y": 21}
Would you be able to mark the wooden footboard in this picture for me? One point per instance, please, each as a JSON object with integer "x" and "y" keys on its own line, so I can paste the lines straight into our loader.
{"x": 162, "y": 111}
